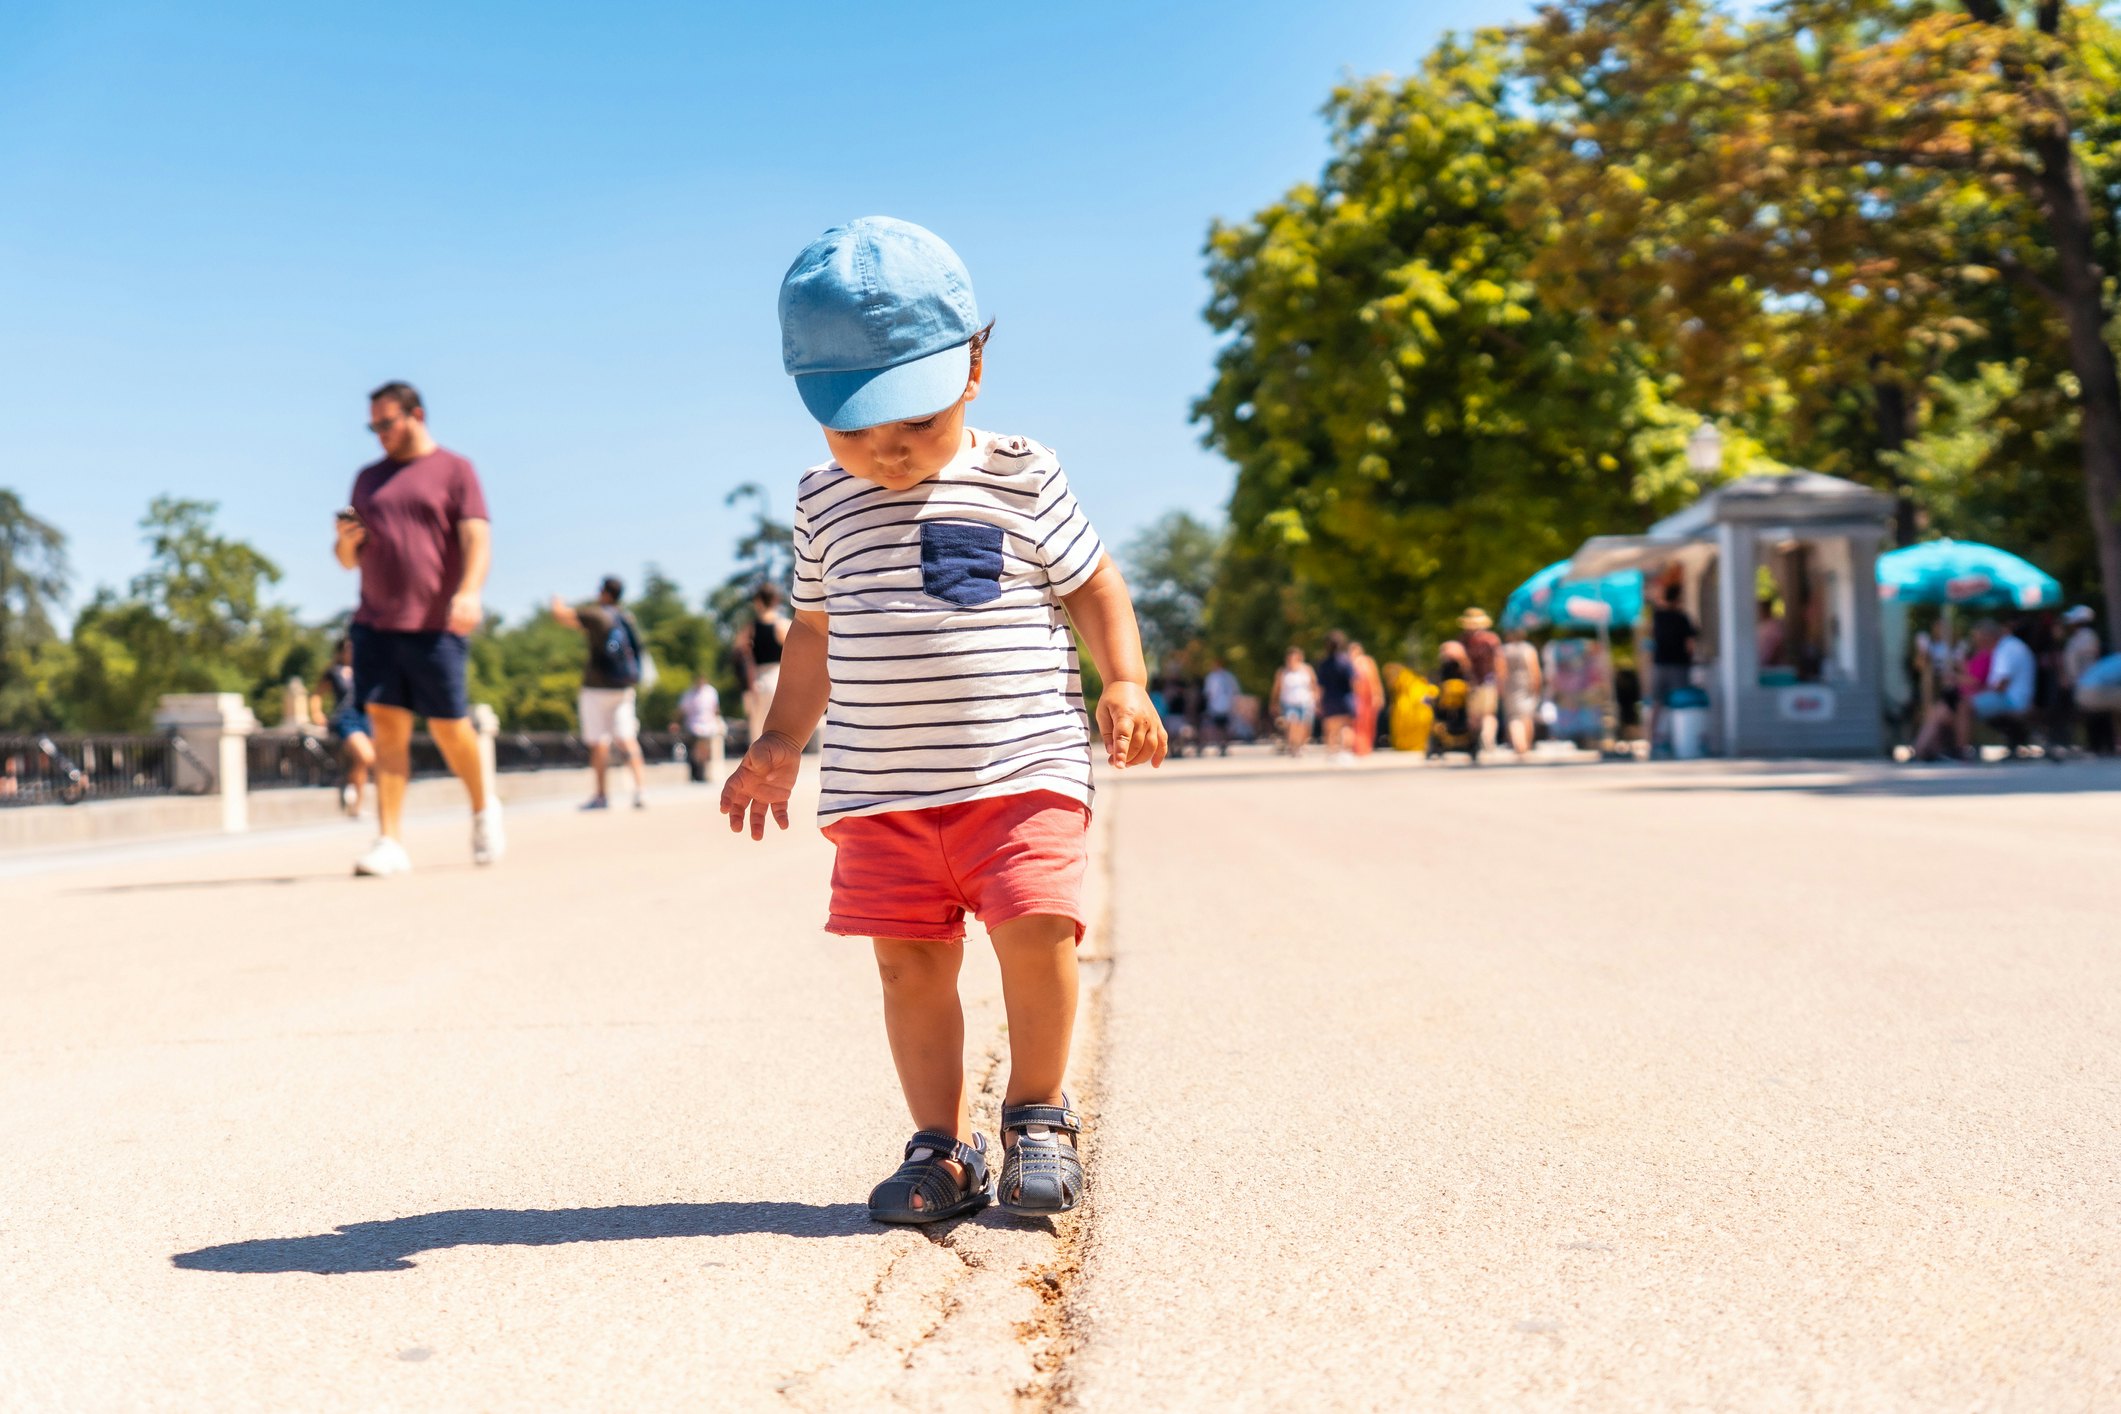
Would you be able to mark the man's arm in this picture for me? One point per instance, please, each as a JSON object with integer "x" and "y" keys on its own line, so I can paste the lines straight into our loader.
{"x": 465, "y": 610}
{"x": 1104, "y": 616}
{"x": 765, "y": 778}
{"x": 563, "y": 613}
{"x": 352, "y": 535}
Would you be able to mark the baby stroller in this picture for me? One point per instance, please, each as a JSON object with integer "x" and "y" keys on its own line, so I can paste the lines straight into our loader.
{"x": 1454, "y": 729}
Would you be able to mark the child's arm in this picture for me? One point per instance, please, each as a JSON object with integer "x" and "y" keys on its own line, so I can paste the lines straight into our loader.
{"x": 1104, "y": 616}
{"x": 764, "y": 779}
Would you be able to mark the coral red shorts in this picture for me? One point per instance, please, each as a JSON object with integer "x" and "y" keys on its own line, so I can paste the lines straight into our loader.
{"x": 917, "y": 873}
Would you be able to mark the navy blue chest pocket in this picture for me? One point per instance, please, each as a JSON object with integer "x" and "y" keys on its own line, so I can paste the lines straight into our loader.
{"x": 961, "y": 561}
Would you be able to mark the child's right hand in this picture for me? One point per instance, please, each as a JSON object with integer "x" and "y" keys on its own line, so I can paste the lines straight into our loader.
{"x": 762, "y": 781}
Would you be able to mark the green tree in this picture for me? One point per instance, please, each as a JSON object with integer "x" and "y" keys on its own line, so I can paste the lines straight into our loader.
{"x": 684, "y": 642}
{"x": 1414, "y": 428}
{"x": 195, "y": 620}
{"x": 765, "y": 554}
{"x": 1171, "y": 566}
{"x": 1848, "y": 194}
{"x": 33, "y": 579}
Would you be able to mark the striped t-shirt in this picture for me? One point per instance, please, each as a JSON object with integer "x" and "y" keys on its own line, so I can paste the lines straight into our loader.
{"x": 954, "y": 671}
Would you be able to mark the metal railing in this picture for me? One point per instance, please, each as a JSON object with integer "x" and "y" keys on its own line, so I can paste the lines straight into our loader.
{"x": 66, "y": 770}
{"x": 283, "y": 760}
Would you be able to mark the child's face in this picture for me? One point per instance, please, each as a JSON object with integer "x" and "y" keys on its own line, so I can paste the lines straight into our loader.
{"x": 896, "y": 455}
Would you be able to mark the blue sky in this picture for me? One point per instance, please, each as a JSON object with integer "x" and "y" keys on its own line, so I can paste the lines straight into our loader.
{"x": 220, "y": 225}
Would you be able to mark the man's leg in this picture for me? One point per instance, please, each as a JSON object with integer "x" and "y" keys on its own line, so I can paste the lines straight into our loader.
{"x": 634, "y": 766}
{"x": 926, "y": 1026}
{"x": 459, "y": 744}
{"x": 600, "y": 764}
{"x": 393, "y": 738}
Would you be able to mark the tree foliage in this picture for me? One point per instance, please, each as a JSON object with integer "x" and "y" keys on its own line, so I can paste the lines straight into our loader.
{"x": 1878, "y": 238}
{"x": 1170, "y": 566}
{"x": 195, "y": 620}
{"x": 1828, "y": 210}
{"x": 1413, "y": 424}
{"x": 33, "y": 579}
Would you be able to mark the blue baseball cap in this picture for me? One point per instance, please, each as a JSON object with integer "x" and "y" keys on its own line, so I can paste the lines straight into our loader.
{"x": 877, "y": 319}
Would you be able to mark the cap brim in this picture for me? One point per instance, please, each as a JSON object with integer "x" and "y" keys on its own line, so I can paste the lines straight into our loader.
{"x": 847, "y": 401}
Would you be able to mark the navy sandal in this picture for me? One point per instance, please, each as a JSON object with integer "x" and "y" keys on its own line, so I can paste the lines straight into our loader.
{"x": 923, "y": 1174}
{"x": 1041, "y": 1174}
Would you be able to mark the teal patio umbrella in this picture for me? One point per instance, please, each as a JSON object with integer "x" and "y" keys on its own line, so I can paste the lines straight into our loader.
{"x": 1965, "y": 575}
{"x": 1550, "y": 599}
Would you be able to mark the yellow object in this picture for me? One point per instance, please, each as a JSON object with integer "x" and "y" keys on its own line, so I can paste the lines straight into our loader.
{"x": 1412, "y": 716}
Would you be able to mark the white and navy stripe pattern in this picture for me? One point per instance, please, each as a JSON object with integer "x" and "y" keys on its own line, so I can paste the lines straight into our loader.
{"x": 954, "y": 670}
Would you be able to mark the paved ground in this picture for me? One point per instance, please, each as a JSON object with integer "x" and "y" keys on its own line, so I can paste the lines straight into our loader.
{"x": 1611, "y": 1088}
{"x": 1571, "y": 1087}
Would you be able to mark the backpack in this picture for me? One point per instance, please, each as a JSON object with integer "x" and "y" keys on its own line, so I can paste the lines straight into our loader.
{"x": 621, "y": 659}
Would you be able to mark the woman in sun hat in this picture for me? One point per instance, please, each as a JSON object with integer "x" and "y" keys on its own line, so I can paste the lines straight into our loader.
{"x": 1484, "y": 654}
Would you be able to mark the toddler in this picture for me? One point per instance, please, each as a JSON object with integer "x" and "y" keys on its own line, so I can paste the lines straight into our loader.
{"x": 937, "y": 572}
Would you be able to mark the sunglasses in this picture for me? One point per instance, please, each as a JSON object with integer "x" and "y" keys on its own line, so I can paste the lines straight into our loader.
{"x": 379, "y": 428}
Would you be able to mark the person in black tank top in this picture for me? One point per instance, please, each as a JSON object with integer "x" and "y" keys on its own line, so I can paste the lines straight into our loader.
{"x": 762, "y": 654}
{"x": 766, "y": 641}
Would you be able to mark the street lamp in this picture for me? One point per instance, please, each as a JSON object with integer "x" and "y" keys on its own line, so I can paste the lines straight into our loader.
{"x": 1704, "y": 449}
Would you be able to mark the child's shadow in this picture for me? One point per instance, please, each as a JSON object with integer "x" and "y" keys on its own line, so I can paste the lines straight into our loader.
{"x": 386, "y": 1245}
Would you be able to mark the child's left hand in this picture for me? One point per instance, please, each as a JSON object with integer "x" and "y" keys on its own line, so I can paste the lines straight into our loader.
{"x": 1128, "y": 722}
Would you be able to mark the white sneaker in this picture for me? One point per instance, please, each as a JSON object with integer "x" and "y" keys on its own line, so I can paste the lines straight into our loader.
{"x": 384, "y": 858}
{"x": 488, "y": 840}
{"x": 346, "y": 800}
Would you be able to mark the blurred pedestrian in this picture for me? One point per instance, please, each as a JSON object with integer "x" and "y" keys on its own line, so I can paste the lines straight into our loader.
{"x": 1369, "y": 701}
{"x": 1769, "y": 634}
{"x": 1334, "y": 676}
{"x": 1177, "y": 700}
{"x": 700, "y": 720}
{"x": 1937, "y": 659}
{"x": 611, "y": 679}
{"x": 417, "y": 530}
{"x": 2007, "y": 699}
{"x": 1672, "y": 638}
{"x": 1295, "y": 701}
{"x": 760, "y": 648}
{"x": 1219, "y": 692}
{"x": 347, "y": 723}
{"x": 1484, "y": 671}
{"x": 2079, "y": 651}
{"x": 1521, "y": 679}
{"x": 1411, "y": 711}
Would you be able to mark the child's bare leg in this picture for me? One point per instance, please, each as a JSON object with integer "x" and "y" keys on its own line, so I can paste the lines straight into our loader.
{"x": 1037, "y": 955}
{"x": 926, "y": 1024}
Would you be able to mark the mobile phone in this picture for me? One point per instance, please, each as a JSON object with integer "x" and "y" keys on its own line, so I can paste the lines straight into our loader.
{"x": 346, "y": 514}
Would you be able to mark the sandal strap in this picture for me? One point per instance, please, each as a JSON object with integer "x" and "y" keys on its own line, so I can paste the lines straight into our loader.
{"x": 1062, "y": 1117}
{"x": 947, "y": 1146}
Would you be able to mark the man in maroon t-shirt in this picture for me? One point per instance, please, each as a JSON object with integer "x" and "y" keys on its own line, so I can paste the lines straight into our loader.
{"x": 417, "y": 529}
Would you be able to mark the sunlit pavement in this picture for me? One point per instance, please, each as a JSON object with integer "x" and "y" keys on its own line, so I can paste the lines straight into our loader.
{"x": 1563, "y": 1085}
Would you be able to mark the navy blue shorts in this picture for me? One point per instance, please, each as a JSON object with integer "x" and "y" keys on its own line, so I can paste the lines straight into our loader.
{"x": 420, "y": 672}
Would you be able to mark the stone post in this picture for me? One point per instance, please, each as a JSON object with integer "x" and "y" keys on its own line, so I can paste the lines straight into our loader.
{"x": 487, "y": 723}
{"x": 217, "y": 727}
